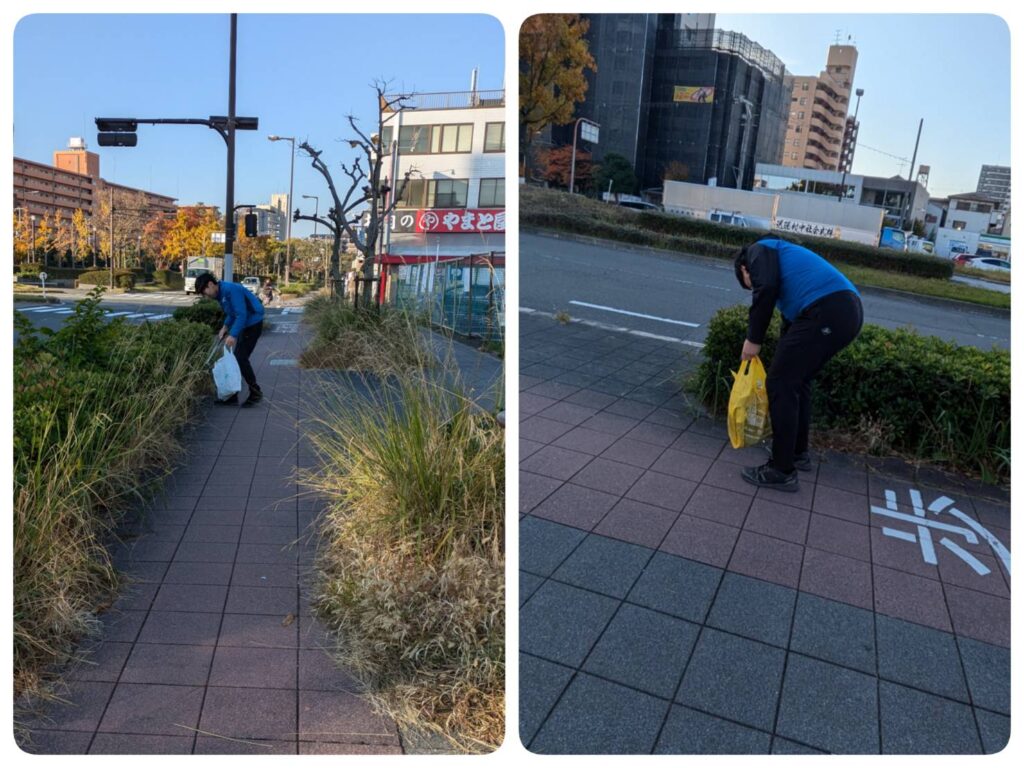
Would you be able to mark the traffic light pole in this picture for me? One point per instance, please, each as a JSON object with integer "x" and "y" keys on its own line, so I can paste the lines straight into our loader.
{"x": 229, "y": 207}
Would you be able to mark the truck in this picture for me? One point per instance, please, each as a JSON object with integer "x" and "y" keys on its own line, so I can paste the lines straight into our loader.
{"x": 893, "y": 238}
{"x": 195, "y": 266}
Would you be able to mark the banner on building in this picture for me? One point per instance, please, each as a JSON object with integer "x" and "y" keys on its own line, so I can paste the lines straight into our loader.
{"x": 780, "y": 224}
{"x": 694, "y": 94}
{"x": 457, "y": 221}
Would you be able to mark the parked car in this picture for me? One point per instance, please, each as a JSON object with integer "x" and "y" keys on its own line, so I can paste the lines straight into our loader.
{"x": 732, "y": 218}
{"x": 988, "y": 263}
{"x": 252, "y": 283}
{"x": 639, "y": 205}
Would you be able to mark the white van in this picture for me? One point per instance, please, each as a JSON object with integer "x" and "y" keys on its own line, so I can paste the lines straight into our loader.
{"x": 732, "y": 218}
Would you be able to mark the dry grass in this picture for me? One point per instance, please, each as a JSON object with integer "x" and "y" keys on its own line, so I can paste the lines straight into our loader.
{"x": 412, "y": 556}
{"x": 383, "y": 343}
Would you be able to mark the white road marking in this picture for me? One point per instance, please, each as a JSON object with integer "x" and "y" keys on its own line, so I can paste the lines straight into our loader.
{"x": 117, "y": 314}
{"x": 616, "y": 328}
{"x": 161, "y": 317}
{"x": 136, "y": 314}
{"x": 64, "y": 312}
{"x": 635, "y": 314}
{"x": 41, "y": 310}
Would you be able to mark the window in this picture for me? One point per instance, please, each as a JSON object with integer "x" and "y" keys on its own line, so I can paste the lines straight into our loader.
{"x": 494, "y": 137}
{"x": 447, "y": 193}
{"x": 959, "y": 224}
{"x": 452, "y": 138}
{"x": 792, "y": 155}
{"x": 414, "y": 139}
{"x": 804, "y": 86}
{"x": 803, "y": 101}
{"x": 492, "y": 193}
{"x": 800, "y": 115}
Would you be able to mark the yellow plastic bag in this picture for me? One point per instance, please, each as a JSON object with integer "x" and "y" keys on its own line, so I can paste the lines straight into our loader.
{"x": 749, "y": 423}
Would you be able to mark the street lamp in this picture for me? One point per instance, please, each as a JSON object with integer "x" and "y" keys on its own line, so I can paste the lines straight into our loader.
{"x": 849, "y": 163}
{"x": 591, "y": 136}
{"x": 32, "y": 243}
{"x": 291, "y": 186}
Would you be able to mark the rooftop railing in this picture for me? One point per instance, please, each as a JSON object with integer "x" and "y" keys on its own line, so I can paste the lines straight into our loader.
{"x": 447, "y": 100}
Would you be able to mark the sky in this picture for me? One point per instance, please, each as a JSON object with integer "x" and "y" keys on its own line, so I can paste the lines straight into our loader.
{"x": 301, "y": 75}
{"x": 951, "y": 70}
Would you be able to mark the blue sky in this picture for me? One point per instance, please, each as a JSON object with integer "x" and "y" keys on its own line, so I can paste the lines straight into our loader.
{"x": 300, "y": 74}
{"x": 951, "y": 70}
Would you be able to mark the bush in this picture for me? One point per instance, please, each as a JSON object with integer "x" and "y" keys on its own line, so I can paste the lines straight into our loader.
{"x": 83, "y": 441}
{"x": 296, "y": 288}
{"x": 932, "y": 399}
{"x": 412, "y": 560}
{"x": 169, "y": 278}
{"x": 205, "y": 311}
{"x": 123, "y": 278}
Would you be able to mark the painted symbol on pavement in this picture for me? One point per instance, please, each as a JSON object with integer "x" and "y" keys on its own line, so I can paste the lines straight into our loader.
{"x": 972, "y": 531}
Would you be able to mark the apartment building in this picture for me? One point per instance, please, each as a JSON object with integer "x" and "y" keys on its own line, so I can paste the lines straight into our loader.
{"x": 818, "y": 111}
{"x": 994, "y": 182}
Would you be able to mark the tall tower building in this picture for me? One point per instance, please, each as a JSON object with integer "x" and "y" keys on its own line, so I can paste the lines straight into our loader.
{"x": 994, "y": 182}
{"x": 819, "y": 106}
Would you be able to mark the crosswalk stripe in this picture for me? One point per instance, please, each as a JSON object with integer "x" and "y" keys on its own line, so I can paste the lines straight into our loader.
{"x": 41, "y": 309}
{"x": 161, "y": 317}
{"x": 117, "y": 314}
{"x": 64, "y": 312}
{"x": 136, "y": 314}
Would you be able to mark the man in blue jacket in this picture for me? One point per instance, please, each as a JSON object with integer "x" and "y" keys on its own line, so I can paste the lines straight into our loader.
{"x": 821, "y": 314}
{"x": 243, "y": 324}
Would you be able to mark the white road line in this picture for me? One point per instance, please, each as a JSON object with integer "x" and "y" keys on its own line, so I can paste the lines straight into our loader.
{"x": 135, "y": 314}
{"x": 635, "y": 314}
{"x": 161, "y": 317}
{"x": 64, "y": 312}
{"x": 117, "y": 314}
{"x": 41, "y": 310}
{"x": 617, "y": 329}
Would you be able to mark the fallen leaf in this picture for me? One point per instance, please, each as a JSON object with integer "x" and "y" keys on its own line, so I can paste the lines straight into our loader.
{"x": 288, "y": 620}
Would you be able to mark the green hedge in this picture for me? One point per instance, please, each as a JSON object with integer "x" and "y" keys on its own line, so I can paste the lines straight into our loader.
{"x": 170, "y": 278}
{"x": 205, "y": 311}
{"x": 123, "y": 278}
{"x": 897, "y": 390}
{"x": 707, "y": 238}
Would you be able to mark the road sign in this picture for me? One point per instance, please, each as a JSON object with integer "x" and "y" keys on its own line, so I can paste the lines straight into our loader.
{"x": 43, "y": 276}
{"x": 217, "y": 237}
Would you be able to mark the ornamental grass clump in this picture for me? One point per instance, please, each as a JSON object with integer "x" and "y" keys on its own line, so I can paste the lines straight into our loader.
{"x": 412, "y": 554}
{"x": 96, "y": 406}
{"x": 379, "y": 340}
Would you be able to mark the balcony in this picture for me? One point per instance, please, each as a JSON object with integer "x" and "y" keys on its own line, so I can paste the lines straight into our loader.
{"x": 449, "y": 100}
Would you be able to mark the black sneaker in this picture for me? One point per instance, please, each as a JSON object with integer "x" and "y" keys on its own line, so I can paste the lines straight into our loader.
{"x": 255, "y": 395}
{"x": 233, "y": 400}
{"x": 766, "y": 476}
{"x": 801, "y": 461}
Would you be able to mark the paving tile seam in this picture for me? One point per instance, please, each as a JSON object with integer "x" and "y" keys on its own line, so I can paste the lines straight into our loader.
{"x": 797, "y": 592}
{"x": 700, "y": 633}
{"x": 672, "y": 699}
{"x": 597, "y": 640}
{"x": 593, "y": 532}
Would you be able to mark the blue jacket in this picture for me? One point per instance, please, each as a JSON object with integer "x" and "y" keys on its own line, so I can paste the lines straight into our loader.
{"x": 790, "y": 276}
{"x": 241, "y": 308}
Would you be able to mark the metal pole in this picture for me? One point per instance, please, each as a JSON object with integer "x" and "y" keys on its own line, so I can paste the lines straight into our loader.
{"x": 110, "y": 258}
{"x": 572, "y": 168}
{"x": 288, "y": 211}
{"x": 913, "y": 160}
{"x": 32, "y": 243}
{"x": 229, "y": 206}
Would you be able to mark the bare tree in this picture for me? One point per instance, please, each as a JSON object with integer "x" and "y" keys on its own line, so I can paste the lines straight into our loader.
{"x": 368, "y": 198}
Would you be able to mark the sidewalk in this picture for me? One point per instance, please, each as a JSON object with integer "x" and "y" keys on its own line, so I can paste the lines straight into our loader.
{"x": 212, "y": 648}
{"x": 667, "y": 606}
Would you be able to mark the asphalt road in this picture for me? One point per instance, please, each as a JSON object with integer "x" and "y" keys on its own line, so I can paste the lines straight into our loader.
{"x": 656, "y": 293}
{"x": 134, "y": 308}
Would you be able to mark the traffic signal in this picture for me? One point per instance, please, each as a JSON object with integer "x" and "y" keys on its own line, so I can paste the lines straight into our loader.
{"x": 250, "y": 224}
{"x": 117, "y": 139}
{"x": 241, "y": 123}
{"x": 117, "y": 131}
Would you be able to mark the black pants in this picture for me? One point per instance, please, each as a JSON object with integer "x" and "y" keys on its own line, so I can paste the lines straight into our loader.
{"x": 243, "y": 348}
{"x": 822, "y": 330}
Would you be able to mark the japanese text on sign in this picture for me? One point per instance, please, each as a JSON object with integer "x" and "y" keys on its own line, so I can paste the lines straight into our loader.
{"x": 454, "y": 221}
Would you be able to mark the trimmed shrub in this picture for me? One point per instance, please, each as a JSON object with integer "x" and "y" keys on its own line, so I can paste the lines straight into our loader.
{"x": 169, "y": 278}
{"x": 205, "y": 311}
{"x": 123, "y": 278}
{"x": 297, "y": 289}
{"x": 917, "y": 395}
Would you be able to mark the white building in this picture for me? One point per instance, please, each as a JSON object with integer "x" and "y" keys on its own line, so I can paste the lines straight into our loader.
{"x": 447, "y": 233}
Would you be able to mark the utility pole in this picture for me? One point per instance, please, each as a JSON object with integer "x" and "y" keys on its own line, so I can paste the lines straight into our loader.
{"x": 229, "y": 207}
{"x": 908, "y": 225}
{"x": 110, "y": 259}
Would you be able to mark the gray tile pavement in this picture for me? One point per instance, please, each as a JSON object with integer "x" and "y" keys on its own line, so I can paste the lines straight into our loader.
{"x": 669, "y": 607}
{"x": 210, "y": 649}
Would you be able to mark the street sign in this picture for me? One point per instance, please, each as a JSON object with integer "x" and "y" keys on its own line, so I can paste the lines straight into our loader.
{"x": 217, "y": 237}
{"x": 43, "y": 276}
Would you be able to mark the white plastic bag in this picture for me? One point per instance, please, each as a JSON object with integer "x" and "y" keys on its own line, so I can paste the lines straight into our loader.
{"x": 227, "y": 375}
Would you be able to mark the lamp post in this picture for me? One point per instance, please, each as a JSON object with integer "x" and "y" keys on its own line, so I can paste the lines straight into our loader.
{"x": 32, "y": 242}
{"x": 593, "y": 140}
{"x": 291, "y": 186}
{"x": 849, "y": 163}
{"x": 93, "y": 243}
